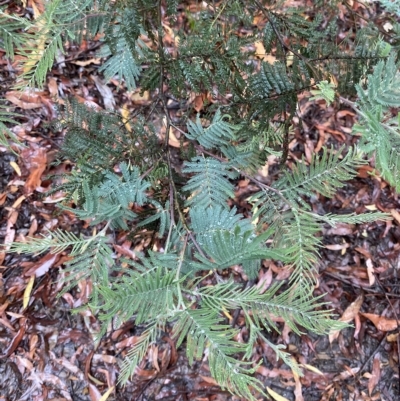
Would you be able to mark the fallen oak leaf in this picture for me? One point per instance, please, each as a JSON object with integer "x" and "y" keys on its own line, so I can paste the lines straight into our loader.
{"x": 380, "y": 322}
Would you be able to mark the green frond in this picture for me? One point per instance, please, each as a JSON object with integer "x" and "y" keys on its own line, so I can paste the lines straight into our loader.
{"x": 333, "y": 219}
{"x": 110, "y": 200}
{"x": 301, "y": 238}
{"x": 269, "y": 208}
{"x": 207, "y": 222}
{"x": 121, "y": 63}
{"x": 162, "y": 214}
{"x": 57, "y": 242}
{"x": 380, "y": 132}
{"x": 296, "y": 305}
{"x": 95, "y": 261}
{"x": 147, "y": 296}
{"x": 100, "y": 209}
{"x": 324, "y": 175}
{"x": 130, "y": 188}
{"x": 383, "y": 86}
{"x": 326, "y": 91}
{"x": 272, "y": 78}
{"x": 240, "y": 247}
{"x": 391, "y": 6}
{"x": 210, "y": 183}
{"x": 12, "y": 36}
{"x": 138, "y": 351}
{"x": 204, "y": 329}
{"x": 218, "y": 133}
{"x": 5, "y": 133}
{"x": 246, "y": 160}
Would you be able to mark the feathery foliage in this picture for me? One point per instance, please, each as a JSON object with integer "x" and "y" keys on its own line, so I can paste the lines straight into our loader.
{"x": 129, "y": 175}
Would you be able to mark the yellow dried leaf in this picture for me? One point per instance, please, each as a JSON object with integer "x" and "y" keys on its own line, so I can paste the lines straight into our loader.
{"x": 312, "y": 369}
{"x": 27, "y": 292}
{"x": 18, "y": 201}
{"x": 16, "y": 168}
{"x": 125, "y": 118}
{"x": 107, "y": 394}
{"x": 275, "y": 395}
{"x": 260, "y": 53}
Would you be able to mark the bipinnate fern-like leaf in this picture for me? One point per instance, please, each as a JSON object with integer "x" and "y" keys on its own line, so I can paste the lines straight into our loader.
{"x": 227, "y": 249}
{"x": 100, "y": 209}
{"x": 11, "y": 32}
{"x": 121, "y": 63}
{"x": 210, "y": 183}
{"x": 162, "y": 214}
{"x": 206, "y": 222}
{"x": 272, "y": 78}
{"x": 380, "y": 132}
{"x": 94, "y": 261}
{"x": 138, "y": 351}
{"x": 203, "y": 328}
{"x": 217, "y": 134}
{"x": 110, "y": 200}
{"x": 147, "y": 296}
{"x": 383, "y": 86}
{"x": 57, "y": 242}
{"x": 296, "y": 304}
{"x": 324, "y": 175}
{"x": 126, "y": 189}
{"x": 7, "y": 116}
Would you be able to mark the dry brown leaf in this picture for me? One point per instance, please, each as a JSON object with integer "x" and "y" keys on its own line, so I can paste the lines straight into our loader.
{"x": 105, "y": 92}
{"x": 16, "y": 168}
{"x": 36, "y": 165}
{"x": 337, "y": 247}
{"x": 209, "y": 380}
{"x": 348, "y": 315}
{"x": 370, "y": 271}
{"x": 380, "y": 322}
{"x": 298, "y": 393}
{"x": 395, "y": 214}
{"x": 43, "y": 265}
{"x": 392, "y": 337}
{"x": 375, "y": 375}
{"x": 24, "y": 100}
{"x": 94, "y": 393}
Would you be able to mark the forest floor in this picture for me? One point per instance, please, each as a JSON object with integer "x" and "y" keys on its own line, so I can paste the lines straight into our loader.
{"x": 47, "y": 352}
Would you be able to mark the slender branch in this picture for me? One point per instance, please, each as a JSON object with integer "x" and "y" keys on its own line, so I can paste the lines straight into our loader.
{"x": 284, "y": 46}
{"x": 168, "y": 125}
